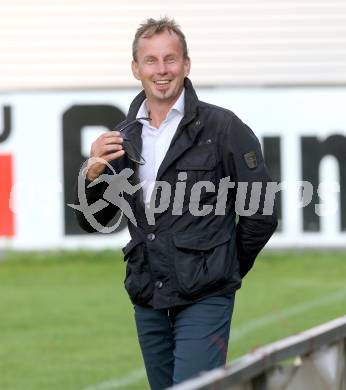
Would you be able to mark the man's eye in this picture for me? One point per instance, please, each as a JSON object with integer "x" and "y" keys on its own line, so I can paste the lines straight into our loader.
{"x": 149, "y": 60}
{"x": 170, "y": 60}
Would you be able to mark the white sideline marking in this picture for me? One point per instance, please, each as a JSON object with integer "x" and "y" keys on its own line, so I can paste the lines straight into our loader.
{"x": 133, "y": 377}
{"x": 256, "y": 323}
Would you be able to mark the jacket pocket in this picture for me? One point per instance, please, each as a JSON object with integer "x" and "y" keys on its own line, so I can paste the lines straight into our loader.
{"x": 200, "y": 166}
{"x": 200, "y": 160}
{"x": 201, "y": 262}
{"x": 137, "y": 282}
{"x": 201, "y": 157}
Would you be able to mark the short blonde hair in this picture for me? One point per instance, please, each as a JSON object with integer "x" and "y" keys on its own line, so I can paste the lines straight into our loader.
{"x": 151, "y": 27}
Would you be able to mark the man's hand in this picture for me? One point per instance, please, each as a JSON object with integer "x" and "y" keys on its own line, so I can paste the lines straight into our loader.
{"x": 108, "y": 147}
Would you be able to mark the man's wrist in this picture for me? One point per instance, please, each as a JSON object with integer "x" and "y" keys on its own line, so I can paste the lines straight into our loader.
{"x": 88, "y": 175}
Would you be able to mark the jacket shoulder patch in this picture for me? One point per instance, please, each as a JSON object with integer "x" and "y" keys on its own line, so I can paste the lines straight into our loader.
{"x": 250, "y": 159}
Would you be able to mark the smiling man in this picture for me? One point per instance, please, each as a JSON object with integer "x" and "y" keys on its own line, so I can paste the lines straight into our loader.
{"x": 182, "y": 271}
{"x": 161, "y": 64}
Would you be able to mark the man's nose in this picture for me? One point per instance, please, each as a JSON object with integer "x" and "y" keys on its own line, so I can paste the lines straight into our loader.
{"x": 161, "y": 67}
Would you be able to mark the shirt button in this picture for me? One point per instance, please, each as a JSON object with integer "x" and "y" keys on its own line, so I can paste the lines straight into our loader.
{"x": 151, "y": 236}
{"x": 158, "y": 284}
{"x": 198, "y": 122}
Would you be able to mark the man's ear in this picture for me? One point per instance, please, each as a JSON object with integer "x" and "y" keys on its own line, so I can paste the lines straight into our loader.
{"x": 134, "y": 67}
{"x": 187, "y": 66}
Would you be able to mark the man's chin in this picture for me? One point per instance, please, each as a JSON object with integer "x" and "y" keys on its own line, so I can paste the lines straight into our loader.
{"x": 163, "y": 95}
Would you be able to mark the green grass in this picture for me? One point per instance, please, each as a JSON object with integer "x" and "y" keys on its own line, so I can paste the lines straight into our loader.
{"x": 67, "y": 323}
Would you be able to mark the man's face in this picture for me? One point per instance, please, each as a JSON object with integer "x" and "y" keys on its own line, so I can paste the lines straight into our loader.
{"x": 161, "y": 67}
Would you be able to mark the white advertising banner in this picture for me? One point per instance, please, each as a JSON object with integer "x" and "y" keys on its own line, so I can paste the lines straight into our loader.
{"x": 44, "y": 137}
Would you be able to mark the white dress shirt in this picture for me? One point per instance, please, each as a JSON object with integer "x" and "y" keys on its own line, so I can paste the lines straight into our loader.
{"x": 156, "y": 142}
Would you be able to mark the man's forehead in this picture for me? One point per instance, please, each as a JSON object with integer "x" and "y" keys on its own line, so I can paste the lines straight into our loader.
{"x": 154, "y": 40}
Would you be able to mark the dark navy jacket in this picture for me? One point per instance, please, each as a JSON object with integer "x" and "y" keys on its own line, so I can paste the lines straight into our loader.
{"x": 184, "y": 258}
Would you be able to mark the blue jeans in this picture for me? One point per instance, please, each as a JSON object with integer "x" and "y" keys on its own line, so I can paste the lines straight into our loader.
{"x": 180, "y": 343}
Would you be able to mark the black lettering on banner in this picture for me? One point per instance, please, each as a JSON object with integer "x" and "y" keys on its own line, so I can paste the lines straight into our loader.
{"x": 74, "y": 119}
{"x": 313, "y": 150}
{"x": 272, "y": 158}
{"x": 6, "y": 131}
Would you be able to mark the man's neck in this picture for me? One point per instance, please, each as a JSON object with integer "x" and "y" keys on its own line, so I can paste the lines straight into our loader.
{"x": 158, "y": 111}
{"x": 157, "y": 114}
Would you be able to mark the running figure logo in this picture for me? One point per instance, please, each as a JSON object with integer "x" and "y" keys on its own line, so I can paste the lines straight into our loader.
{"x": 118, "y": 184}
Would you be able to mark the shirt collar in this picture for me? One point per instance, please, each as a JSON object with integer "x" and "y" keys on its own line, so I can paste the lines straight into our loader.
{"x": 178, "y": 106}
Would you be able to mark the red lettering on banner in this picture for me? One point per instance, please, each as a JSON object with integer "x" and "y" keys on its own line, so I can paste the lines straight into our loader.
{"x": 6, "y": 215}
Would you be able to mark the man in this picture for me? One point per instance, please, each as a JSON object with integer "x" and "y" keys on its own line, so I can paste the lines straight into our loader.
{"x": 182, "y": 269}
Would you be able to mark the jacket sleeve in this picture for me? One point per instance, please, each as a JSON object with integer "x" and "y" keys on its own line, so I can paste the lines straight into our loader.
{"x": 243, "y": 162}
{"x": 92, "y": 195}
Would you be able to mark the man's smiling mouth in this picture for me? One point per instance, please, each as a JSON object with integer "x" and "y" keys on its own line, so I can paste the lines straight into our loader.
{"x": 161, "y": 82}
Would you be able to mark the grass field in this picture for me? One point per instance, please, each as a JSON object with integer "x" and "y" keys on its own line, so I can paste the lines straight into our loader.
{"x": 66, "y": 322}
